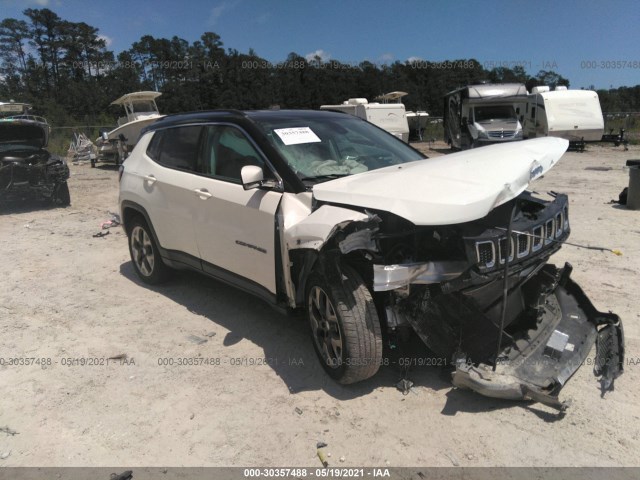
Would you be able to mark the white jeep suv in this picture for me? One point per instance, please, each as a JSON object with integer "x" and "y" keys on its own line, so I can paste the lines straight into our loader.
{"x": 325, "y": 212}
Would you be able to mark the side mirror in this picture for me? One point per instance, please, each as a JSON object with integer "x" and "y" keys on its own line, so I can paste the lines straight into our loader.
{"x": 105, "y": 136}
{"x": 252, "y": 177}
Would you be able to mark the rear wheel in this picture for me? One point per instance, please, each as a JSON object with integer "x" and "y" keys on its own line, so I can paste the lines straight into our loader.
{"x": 145, "y": 255}
{"x": 344, "y": 326}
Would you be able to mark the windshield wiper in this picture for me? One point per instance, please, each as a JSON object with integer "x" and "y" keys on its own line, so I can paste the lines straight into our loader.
{"x": 329, "y": 176}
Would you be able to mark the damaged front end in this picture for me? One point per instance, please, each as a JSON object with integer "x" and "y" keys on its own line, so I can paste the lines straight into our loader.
{"x": 541, "y": 354}
{"x": 36, "y": 175}
{"x": 27, "y": 169}
{"x": 522, "y": 338}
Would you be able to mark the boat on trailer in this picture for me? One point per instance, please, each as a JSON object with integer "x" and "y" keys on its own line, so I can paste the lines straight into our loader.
{"x": 140, "y": 110}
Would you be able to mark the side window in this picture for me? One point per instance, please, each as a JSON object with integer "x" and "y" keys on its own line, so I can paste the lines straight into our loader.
{"x": 226, "y": 151}
{"x": 177, "y": 147}
{"x": 153, "y": 150}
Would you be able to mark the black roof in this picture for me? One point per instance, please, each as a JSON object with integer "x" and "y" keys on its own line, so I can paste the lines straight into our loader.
{"x": 236, "y": 116}
{"x": 249, "y": 120}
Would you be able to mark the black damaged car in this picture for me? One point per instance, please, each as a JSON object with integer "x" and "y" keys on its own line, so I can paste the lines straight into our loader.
{"x": 27, "y": 169}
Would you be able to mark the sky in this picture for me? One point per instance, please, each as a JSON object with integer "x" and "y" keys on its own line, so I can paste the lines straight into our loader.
{"x": 590, "y": 42}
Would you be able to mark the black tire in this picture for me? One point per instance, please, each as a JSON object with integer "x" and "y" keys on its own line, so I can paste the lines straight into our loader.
{"x": 144, "y": 252}
{"x": 345, "y": 327}
{"x": 61, "y": 195}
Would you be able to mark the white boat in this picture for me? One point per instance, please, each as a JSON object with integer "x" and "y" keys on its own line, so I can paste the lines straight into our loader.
{"x": 140, "y": 110}
{"x": 391, "y": 97}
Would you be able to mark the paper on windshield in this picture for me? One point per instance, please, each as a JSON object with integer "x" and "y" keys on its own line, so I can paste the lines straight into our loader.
{"x": 297, "y": 135}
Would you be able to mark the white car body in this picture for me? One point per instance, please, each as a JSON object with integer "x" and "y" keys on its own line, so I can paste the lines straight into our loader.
{"x": 336, "y": 216}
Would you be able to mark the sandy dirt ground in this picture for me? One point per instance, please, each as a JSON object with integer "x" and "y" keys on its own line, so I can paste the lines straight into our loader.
{"x": 263, "y": 399}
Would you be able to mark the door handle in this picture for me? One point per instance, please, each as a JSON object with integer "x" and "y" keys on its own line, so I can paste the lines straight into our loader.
{"x": 202, "y": 193}
{"x": 150, "y": 178}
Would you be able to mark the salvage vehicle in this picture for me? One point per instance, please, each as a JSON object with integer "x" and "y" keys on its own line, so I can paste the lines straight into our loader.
{"x": 326, "y": 213}
{"x": 27, "y": 169}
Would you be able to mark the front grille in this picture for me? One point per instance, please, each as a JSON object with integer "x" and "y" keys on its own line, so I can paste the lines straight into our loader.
{"x": 549, "y": 231}
{"x": 537, "y": 239}
{"x": 486, "y": 252}
{"x": 559, "y": 224}
{"x": 501, "y": 133}
{"x": 502, "y": 249}
{"x": 527, "y": 240}
{"x": 523, "y": 245}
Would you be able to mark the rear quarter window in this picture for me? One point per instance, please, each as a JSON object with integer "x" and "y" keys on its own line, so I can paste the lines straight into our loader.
{"x": 153, "y": 149}
{"x": 176, "y": 147}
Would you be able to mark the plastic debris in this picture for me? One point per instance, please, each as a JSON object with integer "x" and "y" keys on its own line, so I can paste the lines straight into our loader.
{"x": 114, "y": 222}
{"x": 126, "y": 475}
{"x": 197, "y": 340}
{"x": 404, "y": 386}
{"x": 322, "y": 457}
{"x": 454, "y": 461}
{"x": 8, "y": 431}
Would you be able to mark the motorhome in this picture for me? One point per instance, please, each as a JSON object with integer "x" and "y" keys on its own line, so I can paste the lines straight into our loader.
{"x": 391, "y": 117}
{"x": 478, "y": 115}
{"x": 574, "y": 115}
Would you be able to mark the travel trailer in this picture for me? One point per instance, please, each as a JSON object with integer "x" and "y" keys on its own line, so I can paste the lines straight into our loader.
{"x": 417, "y": 123}
{"x": 478, "y": 115}
{"x": 574, "y": 115}
{"x": 391, "y": 117}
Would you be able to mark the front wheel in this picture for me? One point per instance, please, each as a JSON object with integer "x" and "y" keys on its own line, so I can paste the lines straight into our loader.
{"x": 61, "y": 195}
{"x": 344, "y": 326}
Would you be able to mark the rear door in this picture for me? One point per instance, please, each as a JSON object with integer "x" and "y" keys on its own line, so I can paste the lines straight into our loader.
{"x": 170, "y": 180}
{"x": 235, "y": 228}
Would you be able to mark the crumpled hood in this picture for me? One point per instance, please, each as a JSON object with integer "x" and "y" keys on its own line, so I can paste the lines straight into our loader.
{"x": 451, "y": 189}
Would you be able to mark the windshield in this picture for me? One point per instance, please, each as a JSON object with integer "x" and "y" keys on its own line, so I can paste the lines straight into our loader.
{"x": 144, "y": 106}
{"x": 496, "y": 112}
{"x": 321, "y": 148}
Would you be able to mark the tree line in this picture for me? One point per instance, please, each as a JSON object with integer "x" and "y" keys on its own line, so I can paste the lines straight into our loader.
{"x": 67, "y": 72}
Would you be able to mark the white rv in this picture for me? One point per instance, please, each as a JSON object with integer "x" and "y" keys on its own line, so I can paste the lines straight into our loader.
{"x": 571, "y": 114}
{"x": 478, "y": 115}
{"x": 388, "y": 116}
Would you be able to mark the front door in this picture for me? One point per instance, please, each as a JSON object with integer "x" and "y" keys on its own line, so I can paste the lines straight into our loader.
{"x": 235, "y": 228}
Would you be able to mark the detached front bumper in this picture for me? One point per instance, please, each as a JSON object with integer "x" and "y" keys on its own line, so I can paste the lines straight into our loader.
{"x": 539, "y": 362}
